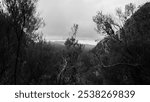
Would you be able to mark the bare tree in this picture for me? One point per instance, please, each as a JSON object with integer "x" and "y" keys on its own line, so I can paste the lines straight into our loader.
{"x": 60, "y": 76}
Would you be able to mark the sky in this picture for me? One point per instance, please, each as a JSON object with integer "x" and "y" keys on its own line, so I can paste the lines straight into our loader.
{"x": 60, "y": 15}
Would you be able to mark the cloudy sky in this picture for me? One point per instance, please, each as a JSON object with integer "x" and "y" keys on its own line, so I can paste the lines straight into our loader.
{"x": 60, "y": 15}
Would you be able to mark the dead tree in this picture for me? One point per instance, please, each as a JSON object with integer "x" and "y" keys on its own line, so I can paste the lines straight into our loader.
{"x": 62, "y": 71}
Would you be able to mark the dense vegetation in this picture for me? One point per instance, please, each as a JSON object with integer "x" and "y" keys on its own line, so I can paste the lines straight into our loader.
{"x": 122, "y": 57}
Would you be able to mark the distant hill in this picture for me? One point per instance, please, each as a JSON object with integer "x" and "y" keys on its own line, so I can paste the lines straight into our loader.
{"x": 60, "y": 45}
{"x": 89, "y": 47}
{"x": 58, "y": 42}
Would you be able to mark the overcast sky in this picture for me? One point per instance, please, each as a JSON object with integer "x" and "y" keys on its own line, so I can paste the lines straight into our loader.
{"x": 60, "y": 15}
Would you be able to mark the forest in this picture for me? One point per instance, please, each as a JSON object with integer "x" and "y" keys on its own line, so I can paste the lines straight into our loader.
{"x": 122, "y": 57}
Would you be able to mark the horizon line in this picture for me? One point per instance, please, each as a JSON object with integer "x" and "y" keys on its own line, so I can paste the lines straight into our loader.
{"x": 90, "y": 42}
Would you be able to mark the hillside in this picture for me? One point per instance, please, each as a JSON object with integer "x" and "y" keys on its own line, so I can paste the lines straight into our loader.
{"x": 60, "y": 45}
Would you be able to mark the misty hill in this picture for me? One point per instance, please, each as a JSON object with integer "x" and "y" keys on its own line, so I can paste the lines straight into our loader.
{"x": 60, "y": 45}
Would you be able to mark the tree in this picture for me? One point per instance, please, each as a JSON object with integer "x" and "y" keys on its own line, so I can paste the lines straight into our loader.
{"x": 73, "y": 47}
{"x": 73, "y": 51}
{"x": 126, "y": 14}
{"x": 106, "y": 24}
{"x": 114, "y": 29}
{"x": 124, "y": 49}
{"x": 25, "y": 23}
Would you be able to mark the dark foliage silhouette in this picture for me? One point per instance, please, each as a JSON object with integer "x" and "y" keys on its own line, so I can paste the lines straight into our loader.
{"x": 121, "y": 58}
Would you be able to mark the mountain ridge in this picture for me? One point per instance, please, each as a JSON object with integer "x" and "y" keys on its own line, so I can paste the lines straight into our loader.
{"x": 61, "y": 45}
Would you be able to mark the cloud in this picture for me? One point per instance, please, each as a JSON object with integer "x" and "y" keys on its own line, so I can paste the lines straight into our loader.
{"x": 60, "y": 15}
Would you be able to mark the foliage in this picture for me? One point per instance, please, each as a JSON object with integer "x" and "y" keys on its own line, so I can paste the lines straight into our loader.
{"x": 20, "y": 23}
{"x": 131, "y": 47}
{"x": 71, "y": 55}
{"x": 122, "y": 57}
{"x": 73, "y": 47}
